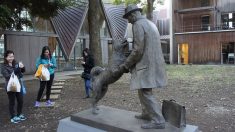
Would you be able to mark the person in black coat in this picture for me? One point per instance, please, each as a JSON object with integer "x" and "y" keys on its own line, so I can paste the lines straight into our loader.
{"x": 88, "y": 64}
{"x": 9, "y": 66}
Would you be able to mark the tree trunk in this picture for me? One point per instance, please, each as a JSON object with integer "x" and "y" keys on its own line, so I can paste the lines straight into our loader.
{"x": 149, "y": 12}
{"x": 94, "y": 15}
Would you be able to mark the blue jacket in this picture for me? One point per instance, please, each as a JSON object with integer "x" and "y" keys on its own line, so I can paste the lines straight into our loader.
{"x": 47, "y": 61}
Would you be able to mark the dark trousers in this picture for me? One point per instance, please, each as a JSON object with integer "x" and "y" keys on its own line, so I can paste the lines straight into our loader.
{"x": 46, "y": 84}
{"x": 149, "y": 105}
{"x": 88, "y": 86}
{"x": 19, "y": 97}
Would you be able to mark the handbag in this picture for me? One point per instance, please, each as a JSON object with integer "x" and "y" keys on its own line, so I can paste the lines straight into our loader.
{"x": 174, "y": 113}
{"x": 85, "y": 75}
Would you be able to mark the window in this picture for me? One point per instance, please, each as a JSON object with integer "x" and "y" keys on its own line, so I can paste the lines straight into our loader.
{"x": 205, "y": 23}
{"x": 228, "y": 20}
{"x": 205, "y": 3}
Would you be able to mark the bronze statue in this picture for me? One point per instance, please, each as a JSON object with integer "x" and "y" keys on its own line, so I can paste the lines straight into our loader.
{"x": 147, "y": 66}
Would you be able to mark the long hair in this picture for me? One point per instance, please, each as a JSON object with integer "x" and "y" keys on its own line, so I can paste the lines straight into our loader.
{"x": 87, "y": 51}
{"x": 89, "y": 55}
{"x": 43, "y": 51}
{"x": 5, "y": 57}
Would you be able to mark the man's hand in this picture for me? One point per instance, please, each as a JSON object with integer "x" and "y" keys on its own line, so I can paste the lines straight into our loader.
{"x": 123, "y": 68}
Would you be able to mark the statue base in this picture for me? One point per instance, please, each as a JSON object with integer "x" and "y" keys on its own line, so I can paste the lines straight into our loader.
{"x": 112, "y": 120}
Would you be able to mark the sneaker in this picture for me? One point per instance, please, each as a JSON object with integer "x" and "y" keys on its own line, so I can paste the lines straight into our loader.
{"x": 49, "y": 103}
{"x": 22, "y": 117}
{"x": 15, "y": 119}
{"x": 37, "y": 104}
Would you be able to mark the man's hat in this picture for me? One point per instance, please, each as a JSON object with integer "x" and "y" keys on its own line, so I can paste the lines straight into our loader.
{"x": 129, "y": 9}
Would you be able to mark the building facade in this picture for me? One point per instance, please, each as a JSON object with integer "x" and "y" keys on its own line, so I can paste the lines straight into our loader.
{"x": 203, "y": 31}
{"x": 66, "y": 34}
{"x": 162, "y": 21}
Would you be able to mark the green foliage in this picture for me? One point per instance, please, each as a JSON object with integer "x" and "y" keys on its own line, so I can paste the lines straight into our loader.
{"x": 142, "y": 3}
{"x": 5, "y": 19}
{"x": 45, "y": 8}
{"x": 126, "y": 2}
{"x": 10, "y": 11}
{"x": 117, "y": 2}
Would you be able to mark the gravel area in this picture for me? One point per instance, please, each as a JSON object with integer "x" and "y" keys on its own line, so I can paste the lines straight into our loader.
{"x": 208, "y": 92}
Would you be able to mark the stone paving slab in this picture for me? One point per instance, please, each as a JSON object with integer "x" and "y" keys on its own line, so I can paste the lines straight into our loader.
{"x": 55, "y": 91}
{"x": 52, "y": 96}
{"x": 63, "y": 77}
{"x": 56, "y": 87}
{"x": 60, "y": 80}
{"x": 58, "y": 83}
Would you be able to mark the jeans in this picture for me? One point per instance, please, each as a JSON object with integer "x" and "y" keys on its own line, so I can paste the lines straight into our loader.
{"x": 88, "y": 87}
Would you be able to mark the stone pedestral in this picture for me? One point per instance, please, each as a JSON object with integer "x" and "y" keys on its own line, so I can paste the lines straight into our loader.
{"x": 111, "y": 120}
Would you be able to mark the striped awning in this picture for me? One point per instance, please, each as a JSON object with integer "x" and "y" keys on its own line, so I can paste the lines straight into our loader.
{"x": 67, "y": 24}
{"x": 117, "y": 24}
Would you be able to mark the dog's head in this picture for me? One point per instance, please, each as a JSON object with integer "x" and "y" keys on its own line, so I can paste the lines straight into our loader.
{"x": 120, "y": 45}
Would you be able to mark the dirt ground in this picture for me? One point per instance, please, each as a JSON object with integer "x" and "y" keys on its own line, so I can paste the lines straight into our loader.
{"x": 208, "y": 92}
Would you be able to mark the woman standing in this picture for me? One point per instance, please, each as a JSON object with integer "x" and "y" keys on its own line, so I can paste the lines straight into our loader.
{"x": 49, "y": 62}
{"x": 10, "y": 66}
{"x": 88, "y": 64}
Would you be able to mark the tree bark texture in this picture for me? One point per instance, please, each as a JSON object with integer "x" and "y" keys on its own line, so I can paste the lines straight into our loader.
{"x": 149, "y": 12}
{"x": 94, "y": 16}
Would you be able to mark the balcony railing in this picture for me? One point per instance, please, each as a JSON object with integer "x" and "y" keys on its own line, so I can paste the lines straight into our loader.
{"x": 205, "y": 27}
{"x": 196, "y": 9}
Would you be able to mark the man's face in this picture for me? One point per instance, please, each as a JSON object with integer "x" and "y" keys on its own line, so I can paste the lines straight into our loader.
{"x": 130, "y": 19}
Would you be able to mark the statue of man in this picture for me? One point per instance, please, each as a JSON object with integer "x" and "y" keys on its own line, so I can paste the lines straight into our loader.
{"x": 147, "y": 66}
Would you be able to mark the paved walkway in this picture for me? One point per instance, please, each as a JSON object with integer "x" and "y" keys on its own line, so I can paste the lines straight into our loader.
{"x": 59, "y": 80}
{"x": 59, "y": 75}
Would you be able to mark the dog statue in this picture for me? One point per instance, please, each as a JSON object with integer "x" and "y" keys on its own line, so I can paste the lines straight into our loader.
{"x": 102, "y": 77}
